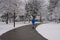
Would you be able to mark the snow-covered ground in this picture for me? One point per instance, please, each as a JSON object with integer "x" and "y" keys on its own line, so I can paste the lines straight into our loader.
{"x": 7, "y": 27}
{"x": 51, "y": 30}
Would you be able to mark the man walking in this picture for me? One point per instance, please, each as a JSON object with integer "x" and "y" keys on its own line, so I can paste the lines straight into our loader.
{"x": 33, "y": 22}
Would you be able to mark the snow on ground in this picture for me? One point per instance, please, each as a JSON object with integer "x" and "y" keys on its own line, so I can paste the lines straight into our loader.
{"x": 51, "y": 31}
{"x": 7, "y": 27}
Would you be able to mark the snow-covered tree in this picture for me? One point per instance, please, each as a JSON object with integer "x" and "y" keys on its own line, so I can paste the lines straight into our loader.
{"x": 32, "y": 7}
{"x": 8, "y": 6}
{"x": 52, "y": 5}
{"x": 51, "y": 8}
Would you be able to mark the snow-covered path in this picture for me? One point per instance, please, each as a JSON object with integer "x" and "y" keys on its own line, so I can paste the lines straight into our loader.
{"x": 7, "y": 27}
{"x": 51, "y": 31}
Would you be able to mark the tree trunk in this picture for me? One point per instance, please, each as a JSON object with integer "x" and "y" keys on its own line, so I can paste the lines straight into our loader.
{"x": 14, "y": 18}
{"x": 7, "y": 19}
{"x": 40, "y": 17}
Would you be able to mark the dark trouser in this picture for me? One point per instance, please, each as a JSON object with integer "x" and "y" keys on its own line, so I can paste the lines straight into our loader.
{"x": 33, "y": 25}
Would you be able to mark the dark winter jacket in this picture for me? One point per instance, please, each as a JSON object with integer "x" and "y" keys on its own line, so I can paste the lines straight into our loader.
{"x": 33, "y": 21}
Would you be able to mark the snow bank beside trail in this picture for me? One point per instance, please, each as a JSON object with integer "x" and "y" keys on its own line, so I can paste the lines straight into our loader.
{"x": 51, "y": 31}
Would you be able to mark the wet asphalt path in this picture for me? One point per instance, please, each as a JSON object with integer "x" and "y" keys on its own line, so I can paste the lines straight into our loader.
{"x": 23, "y": 33}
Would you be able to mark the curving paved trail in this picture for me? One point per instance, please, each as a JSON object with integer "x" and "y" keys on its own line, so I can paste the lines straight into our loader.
{"x": 22, "y": 33}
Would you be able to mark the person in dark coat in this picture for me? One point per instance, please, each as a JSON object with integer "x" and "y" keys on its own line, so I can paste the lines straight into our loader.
{"x": 33, "y": 22}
